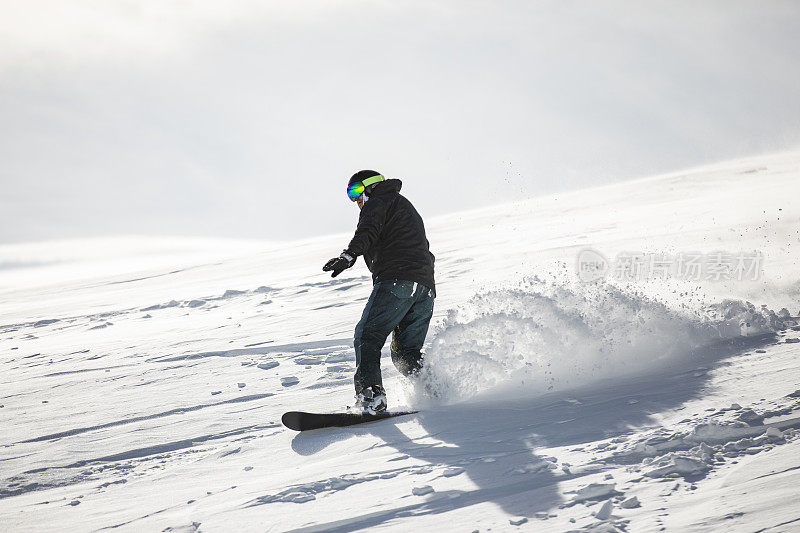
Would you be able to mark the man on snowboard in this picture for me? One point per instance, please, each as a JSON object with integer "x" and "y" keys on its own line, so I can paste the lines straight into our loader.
{"x": 391, "y": 237}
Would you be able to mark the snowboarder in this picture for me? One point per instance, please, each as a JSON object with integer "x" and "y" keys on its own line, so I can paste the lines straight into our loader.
{"x": 391, "y": 237}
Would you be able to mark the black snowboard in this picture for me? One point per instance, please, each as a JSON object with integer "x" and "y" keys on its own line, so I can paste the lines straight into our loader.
{"x": 300, "y": 421}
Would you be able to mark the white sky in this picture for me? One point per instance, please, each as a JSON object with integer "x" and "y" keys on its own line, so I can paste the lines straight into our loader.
{"x": 246, "y": 119}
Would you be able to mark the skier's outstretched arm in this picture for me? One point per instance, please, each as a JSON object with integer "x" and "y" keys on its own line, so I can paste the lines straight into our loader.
{"x": 370, "y": 223}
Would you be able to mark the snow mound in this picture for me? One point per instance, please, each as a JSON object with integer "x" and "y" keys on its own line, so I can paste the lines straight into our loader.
{"x": 545, "y": 336}
{"x": 674, "y": 463}
{"x": 595, "y": 491}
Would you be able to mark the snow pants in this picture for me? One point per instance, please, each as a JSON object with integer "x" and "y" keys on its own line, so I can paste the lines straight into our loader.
{"x": 403, "y": 308}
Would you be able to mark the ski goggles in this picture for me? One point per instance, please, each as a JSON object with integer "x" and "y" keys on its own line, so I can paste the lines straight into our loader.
{"x": 357, "y": 189}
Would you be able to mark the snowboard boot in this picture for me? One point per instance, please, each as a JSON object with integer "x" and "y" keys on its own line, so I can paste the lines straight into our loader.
{"x": 371, "y": 400}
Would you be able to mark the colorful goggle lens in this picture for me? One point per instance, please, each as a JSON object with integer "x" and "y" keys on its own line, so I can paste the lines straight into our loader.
{"x": 357, "y": 189}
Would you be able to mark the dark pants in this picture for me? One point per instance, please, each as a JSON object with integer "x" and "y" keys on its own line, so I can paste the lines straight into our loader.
{"x": 403, "y": 308}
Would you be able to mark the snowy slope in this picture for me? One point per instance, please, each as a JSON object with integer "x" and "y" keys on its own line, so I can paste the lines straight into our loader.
{"x": 143, "y": 390}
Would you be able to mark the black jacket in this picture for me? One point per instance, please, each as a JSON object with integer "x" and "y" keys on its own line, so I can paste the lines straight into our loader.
{"x": 391, "y": 237}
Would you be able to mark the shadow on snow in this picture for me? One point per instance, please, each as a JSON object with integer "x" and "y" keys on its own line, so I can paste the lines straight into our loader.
{"x": 495, "y": 441}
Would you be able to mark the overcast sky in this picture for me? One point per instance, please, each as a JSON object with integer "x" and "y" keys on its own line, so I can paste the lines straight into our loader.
{"x": 245, "y": 119}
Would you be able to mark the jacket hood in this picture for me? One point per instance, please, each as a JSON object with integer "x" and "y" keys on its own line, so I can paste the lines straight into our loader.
{"x": 387, "y": 187}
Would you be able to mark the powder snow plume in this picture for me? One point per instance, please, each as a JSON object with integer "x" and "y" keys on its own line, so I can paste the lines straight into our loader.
{"x": 544, "y": 336}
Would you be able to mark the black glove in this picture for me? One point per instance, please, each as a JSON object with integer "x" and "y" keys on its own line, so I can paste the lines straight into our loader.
{"x": 339, "y": 264}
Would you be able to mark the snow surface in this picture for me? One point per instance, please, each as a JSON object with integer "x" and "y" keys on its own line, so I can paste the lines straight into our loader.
{"x": 142, "y": 390}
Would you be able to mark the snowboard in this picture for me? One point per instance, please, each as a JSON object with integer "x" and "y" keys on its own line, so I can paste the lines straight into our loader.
{"x": 301, "y": 421}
